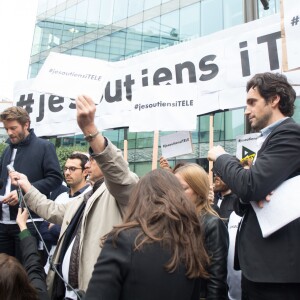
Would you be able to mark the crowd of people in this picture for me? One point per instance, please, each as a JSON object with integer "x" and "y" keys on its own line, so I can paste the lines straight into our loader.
{"x": 167, "y": 235}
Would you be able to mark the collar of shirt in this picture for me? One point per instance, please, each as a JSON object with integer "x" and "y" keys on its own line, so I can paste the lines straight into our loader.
{"x": 267, "y": 130}
{"x": 79, "y": 191}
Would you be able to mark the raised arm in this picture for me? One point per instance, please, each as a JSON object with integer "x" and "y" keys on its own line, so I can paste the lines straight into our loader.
{"x": 118, "y": 177}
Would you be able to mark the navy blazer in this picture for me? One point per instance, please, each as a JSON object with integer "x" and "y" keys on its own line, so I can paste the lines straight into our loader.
{"x": 37, "y": 159}
{"x": 275, "y": 258}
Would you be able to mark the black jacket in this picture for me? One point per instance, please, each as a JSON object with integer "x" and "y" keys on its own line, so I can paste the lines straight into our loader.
{"x": 37, "y": 159}
{"x": 228, "y": 204}
{"x": 216, "y": 243}
{"x": 124, "y": 274}
{"x": 32, "y": 264}
{"x": 275, "y": 258}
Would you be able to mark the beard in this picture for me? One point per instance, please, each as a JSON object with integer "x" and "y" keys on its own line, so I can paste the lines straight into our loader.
{"x": 221, "y": 187}
{"x": 17, "y": 138}
{"x": 262, "y": 122}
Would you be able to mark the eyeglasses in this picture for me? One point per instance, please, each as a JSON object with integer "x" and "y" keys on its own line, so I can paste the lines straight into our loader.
{"x": 71, "y": 169}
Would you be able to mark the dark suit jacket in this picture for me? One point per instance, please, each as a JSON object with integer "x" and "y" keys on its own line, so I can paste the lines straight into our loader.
{"x": 276, "y": 258}
{"x": 37, "y": 159}
{"x": 124, "y": 274}
{"x": 228, "y": 205}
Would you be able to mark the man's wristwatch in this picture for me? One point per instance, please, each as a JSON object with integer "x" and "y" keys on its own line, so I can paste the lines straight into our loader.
{"x": 91, "y": 136}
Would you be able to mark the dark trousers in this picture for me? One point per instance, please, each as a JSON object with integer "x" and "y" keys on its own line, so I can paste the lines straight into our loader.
{"x": 269, "y": 291}
{"x": 9, "y": 239}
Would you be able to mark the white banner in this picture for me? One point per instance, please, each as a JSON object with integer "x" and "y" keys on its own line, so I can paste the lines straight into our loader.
{"x": 50, "y": 114}
{"x": 212, "y": 71}
{"x": 176, "y": 144}
{"x": 291, "y": 28}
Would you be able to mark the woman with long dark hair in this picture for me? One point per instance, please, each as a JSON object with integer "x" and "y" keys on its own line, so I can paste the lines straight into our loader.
{"x": 158, "y": 252}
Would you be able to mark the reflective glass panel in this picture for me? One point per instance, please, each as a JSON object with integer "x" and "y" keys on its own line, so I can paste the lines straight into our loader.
{"x": 189, "y": 21}
{"x": 211, "y": 16}
{"x": 135, "y": 6}
{"x": 120, "y": 10}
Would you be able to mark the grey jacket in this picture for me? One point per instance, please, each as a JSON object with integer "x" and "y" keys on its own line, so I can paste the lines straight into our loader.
{"x": 101, "y": 213}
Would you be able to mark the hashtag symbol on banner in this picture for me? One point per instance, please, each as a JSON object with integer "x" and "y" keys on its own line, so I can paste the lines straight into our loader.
{"x": 295, "y": 20}
{"x": 26, "y": 102}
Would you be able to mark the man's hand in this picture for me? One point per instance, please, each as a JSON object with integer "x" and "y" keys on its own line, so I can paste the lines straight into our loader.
{"x": 21, "y": 180}
{"x": 86, "y": 110}
{"x": 164, "y": 164}
{"x": 215, "y": 152}
{"x": 11, "y": 199}
{"x": 22, "y": 218}
{"x": 260, "y": 203}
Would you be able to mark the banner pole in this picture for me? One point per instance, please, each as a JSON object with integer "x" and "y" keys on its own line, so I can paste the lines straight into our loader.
{"x": 126, "y": 143}
{"x": 211, "y": 144}
{"x": 155, "y": 150}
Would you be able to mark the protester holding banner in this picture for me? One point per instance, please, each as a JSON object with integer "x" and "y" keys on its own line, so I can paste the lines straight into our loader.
{"x": 270, "y": 265}
{"x": 32, "y": 156}
{"x": 86, "y": 219}
{"x": 195, "y": 183}
{"x": 158, "y": 252}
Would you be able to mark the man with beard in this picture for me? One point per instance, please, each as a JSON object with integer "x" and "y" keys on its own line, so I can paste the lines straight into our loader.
{"x": 75, "y": 173}
{"x": 32, "y": 156}
{"x": 224, "y": 199}
{"x": 271, "y": 265}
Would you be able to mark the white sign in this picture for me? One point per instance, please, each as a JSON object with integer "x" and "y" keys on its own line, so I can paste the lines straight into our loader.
{"x": 291, "y": 28}
{"x": 212, "y": 71}
{"x": 168, "y": 107}
{"x": 247, "y": 146}
{"x": 70, "y": 76}
{"x": 176, "y": 144}
{"x": 274, "y": 214}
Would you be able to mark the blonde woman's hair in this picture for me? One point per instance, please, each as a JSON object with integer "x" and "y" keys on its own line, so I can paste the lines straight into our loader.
{"x": 196, "y": 177}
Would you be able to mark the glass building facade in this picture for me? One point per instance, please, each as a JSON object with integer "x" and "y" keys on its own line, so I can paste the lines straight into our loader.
{"x": 115, "y": 30}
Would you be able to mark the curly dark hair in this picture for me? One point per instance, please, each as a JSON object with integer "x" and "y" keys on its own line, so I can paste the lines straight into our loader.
{"x": 270, "y": 84}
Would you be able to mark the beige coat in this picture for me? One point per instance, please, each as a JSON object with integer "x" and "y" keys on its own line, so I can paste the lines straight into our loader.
{"x": 100, "y": 215}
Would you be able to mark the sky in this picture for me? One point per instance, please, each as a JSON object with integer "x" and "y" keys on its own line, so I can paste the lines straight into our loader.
{"x": 17, "y": 20}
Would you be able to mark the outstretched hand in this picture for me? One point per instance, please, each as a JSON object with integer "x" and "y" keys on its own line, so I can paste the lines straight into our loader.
{"x": 19, "y": 179}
